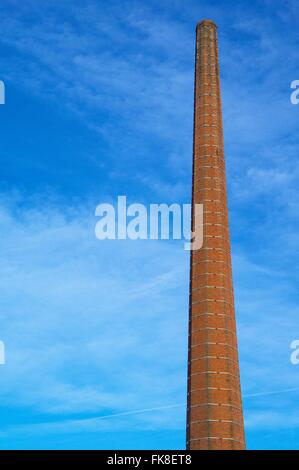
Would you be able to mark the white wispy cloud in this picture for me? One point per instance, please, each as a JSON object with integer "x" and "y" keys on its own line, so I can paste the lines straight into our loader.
{"x": 80, "y": 335}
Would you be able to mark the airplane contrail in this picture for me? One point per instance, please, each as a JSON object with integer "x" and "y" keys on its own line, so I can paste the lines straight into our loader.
{"x": 178, "y": 405}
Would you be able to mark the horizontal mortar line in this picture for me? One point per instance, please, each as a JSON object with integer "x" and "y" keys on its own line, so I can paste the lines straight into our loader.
{"x": 201, "y": 163}
{"x": 211, "y": 105}
{"x": 199, "y": 150}
{"x": 199, "y": 128}
{"x": 205, "y": 42}
{"x": 198, "y": 144}
{"x": 208, "y": 261}
{"x": 201, "y": 173}
{"x": 217, "y": 125}
{"x": 191, "y": 335}
{"x": 226, "y": 262}
{"x": 208, "y": 155}
{"x": 203, "y": 102}
{"x": 206, "y": 98}
{"x": 214, "y": 437}
{"x": 215, "y": 357}
{"x": 216, "y": 224}
{"x": 216, "y": 328}
{"x": 204, "y": 286}
{"x": 228, "y": 267}
{"x": 213, "y": 314}
{"x": 208, "y": 188}
{"x": 204, "y": 343}
{"x": 197, "y": 178}
{"x": 204, "y": 71}
{"x": 213, "y": 388}
{"x": 209, "y": 50}
{"x": 203, "y": 157}
{"x": 206, "y": 88}
{"x": 217, "y": 248}
{"x": 206, "y": 47}
{"x": 231, "y": 331}
{"x": 208, "y": 274}
{"x": 212, "y": 300}
{"x": 199, "y": 95}
{"x": 211, "y": 287}
{"x": 204, "y": 75}
{"x": 222, "y": 250}
{"x": 207, "y": 145}
{"x": 206, "y": 248}
{"x": 214, "y": 167}
{"x": 224, "y": 228}
{"x": 194, "y": 374}
{"x": 200, "y": 159}
{"x": 201, "y": 167}
{"x": 211, "y": 178}
{"x": 223, "y": 237}
{"x": 237, "y": 423}
{"x": 210, "y": 86}
{"x": 214, "y": 118}
{"x": 207, "y": 57}
{"x": 198, "y": 173}
{"x": 206, "y": 92}
{"x": 206, "y": 136}
{"x": 209, "y": 117}
{"x": 204, "y": 275}
{"x": 206, "y": 50}
{"x": 201, "y": 273}
{"x": 223, "y": 214}
{"x": 216, "y": 404}
{"x": 207, "y": 65}
{"x": 223, "y": 390}
{"x": 228, "y": 315}
{"x": 218, "y": 201}
{"x": 207, "y": 31}
{"x": 220, "y": 217}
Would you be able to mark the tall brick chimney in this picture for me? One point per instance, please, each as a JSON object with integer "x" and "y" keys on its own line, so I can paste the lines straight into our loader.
{"x": 214, "y": 405}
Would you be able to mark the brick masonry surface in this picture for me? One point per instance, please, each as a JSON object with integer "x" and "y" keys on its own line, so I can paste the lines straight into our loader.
{"x": 214, "y": 410}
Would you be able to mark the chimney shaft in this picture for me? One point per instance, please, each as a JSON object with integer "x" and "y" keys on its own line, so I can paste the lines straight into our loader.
{"x": 214, "y": 405}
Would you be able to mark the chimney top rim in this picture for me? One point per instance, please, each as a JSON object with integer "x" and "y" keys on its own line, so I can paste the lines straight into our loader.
{"x": 206, "y": 22}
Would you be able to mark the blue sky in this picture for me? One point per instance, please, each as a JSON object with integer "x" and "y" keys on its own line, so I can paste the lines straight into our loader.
{"x": 99, "y": 103}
